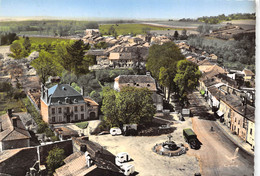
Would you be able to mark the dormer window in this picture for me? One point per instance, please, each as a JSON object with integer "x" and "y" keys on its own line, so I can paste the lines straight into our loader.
{"x": 67, "y": 100}
{"x": 148, "y": 85}
{"x": 63, "y": 88}
{"x": 137, "y": 84}
{"x": 75, "y": 100}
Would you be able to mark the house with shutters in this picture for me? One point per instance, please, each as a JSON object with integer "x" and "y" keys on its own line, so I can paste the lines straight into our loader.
{"x": 13, "y": 133}
{"x": 63, "y": 104}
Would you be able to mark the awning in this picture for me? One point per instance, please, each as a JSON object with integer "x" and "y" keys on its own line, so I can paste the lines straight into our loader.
{"x": 220, "y": 113}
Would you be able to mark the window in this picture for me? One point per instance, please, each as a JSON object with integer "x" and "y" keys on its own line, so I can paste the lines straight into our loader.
{"x": 68, "y": 109}
{"x": 82, "y": 108}
{"x": 60, "y": 118}
{"x": 251, "y": 131}
{"x": 53, "y": 119}
{"x": 59, "y": 110}
{"x": 82, "y": 116}
{"x": 53, "y": 110}
{"x": 76, "y": 116}
{"x": 76, "y": 109}
{"x": 238, "y": 122}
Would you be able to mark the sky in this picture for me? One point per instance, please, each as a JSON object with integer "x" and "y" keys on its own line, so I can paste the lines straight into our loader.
{"x": 121, "y": 9}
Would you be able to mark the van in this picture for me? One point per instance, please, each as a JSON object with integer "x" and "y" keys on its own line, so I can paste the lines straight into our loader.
{"x": 115, "y": 131}
{"x": 128, "y": 169}
{"x": 123, "y": 157}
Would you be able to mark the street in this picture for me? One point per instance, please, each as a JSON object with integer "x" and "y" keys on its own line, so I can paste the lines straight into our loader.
{"x": 218, "y": 155}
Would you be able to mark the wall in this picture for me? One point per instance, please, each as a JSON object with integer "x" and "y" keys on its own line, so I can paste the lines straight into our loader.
{"x": 20, "y": 163}
{"x": 237, "y": 125}
{"x": 226, "y": 110}
{"x": 251, "y": 137}
{"x": 15, "y": 144}
{"x": 44, "y": 112}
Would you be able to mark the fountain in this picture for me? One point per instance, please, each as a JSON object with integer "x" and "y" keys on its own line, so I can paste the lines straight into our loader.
{"x": 169, "y": 148}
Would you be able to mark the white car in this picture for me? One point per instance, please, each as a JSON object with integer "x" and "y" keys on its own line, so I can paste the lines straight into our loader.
{"x": 115, "y": 131}
{"x": 128, "y": 169}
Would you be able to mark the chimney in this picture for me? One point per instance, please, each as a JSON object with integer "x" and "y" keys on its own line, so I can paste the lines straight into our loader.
{"x": 148, "y": 74}
{"x": 14, "y": 122}
{"x": 83, "y": 148}
{"x": 9, "y": 112}
{"x": 47, "y": 96}
{"x": 82, "y": 91}
{"x": 1, "y": 129}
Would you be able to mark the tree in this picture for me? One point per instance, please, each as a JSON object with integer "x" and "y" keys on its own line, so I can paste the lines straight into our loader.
{"x": 16, "y": 50}
{"x": 44, "y": 65}
{"x": 186, "y": 78}
{"x": 130, "y": 105}
{"x": 176, "y": 35}
{"x": 166, "y": 56}
{"x": 27, "y": 44}
{"x": 55, "y": 159}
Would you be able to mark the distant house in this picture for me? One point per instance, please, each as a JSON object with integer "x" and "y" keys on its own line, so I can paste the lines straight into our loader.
{"x": 251, "y": 132}
{"x": 213, "y": 57}
{"x": 140, "y": 81}
{"x": 89, "y": 158}
{"x": 13, "y": 133}
{"x": 63, "y": 104}
{"x": 248, "y": 75}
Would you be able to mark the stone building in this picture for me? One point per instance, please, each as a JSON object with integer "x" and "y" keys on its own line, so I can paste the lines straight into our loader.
{"x": 13, "y": 133}
{"x": 63, "y": 104}
{"x": 141, "y": 81}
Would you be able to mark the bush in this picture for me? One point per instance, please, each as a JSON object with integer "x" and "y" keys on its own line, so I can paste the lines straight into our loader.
{"x": 82, "y": 125}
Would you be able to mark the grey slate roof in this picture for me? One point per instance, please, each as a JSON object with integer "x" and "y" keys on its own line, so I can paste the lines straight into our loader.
{"x": 59, "y": 92}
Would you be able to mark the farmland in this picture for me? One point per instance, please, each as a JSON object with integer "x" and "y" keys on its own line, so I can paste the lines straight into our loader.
{"x": 41, "y": 40}
{"x": 124, "y": 29}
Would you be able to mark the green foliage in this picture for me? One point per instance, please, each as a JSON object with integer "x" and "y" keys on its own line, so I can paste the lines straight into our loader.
{"x": 186, "y": 78}
{"x": 162, "y": 60}
{"x": 223, "y": 17}
{"x": 76, "y": 87}
{"x": 16, "y": 50}
{"x": 233, "y": 54}
{"x": 130, "y": 105}
{"x": 82, "y": 125}
{"x": 55, "y": 159}
{"x": 48, "y": 27}
{"x": 8, "y": 38}
{"x": 42, "y": 126}
{"x": 44, "y": 65}
{"x": 48, "y": 132}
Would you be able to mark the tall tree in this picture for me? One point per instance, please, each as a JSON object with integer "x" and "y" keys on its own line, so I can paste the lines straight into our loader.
{"x": 130, "y": 105}
{"x": 44, "y": 65}
{"x": 187, "y": 78}
{"x": 16, "y": 50}
{"x": 55, "y": 159}
{"x": 166, "y": 56}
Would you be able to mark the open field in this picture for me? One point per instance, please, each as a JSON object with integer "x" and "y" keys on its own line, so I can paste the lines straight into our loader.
{"x": 124, "y": 29}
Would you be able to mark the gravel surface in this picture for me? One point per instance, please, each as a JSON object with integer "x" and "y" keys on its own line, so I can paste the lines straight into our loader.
{"x": 147, "y": 162}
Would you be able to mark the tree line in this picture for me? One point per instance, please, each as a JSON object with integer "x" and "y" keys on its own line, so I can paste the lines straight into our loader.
{"x": 220, "y": 18}
{"x": 49, "y": 27}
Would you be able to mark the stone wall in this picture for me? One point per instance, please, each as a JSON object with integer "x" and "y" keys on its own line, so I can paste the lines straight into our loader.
{"x": 21, "y": 162}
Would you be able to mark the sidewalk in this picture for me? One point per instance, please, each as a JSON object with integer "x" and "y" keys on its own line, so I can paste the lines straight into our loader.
{"x": 235, "y": 139}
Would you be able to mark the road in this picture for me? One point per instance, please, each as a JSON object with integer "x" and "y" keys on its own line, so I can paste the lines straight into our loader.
{"x": 218, "y": 155}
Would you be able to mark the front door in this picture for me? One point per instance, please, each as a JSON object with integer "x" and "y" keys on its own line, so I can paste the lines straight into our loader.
{"x": 68, "y": 118}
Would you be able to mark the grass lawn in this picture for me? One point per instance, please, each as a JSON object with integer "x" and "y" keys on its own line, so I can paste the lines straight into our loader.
{"x": 82, "y": 125}
{"x": 124, "y": 29}
{"x": 9, "y": 103}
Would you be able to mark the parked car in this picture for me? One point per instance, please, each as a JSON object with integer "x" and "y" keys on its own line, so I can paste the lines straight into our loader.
{"x": 123, "y": 157}
{"x": 115, "y": 131}
{"x": 191, "y": 138}
{"x": 128, "y": 169}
